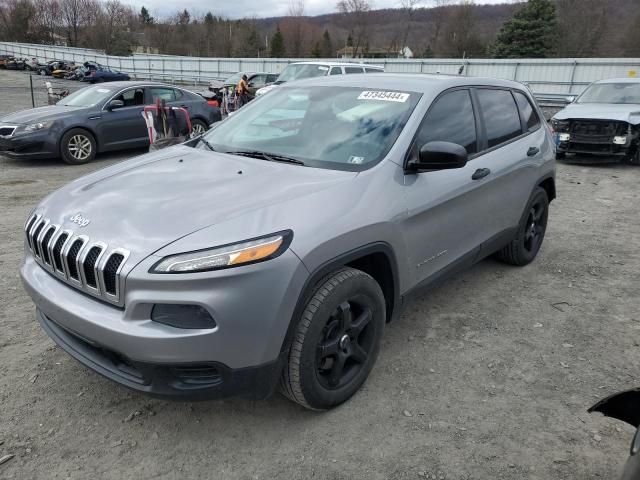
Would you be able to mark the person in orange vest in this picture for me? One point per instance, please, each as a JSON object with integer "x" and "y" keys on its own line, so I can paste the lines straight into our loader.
{"x": 242, "y": 91}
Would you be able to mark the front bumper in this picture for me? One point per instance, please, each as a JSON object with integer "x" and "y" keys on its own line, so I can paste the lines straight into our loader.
{"x": 251, "y": 305}
{"x": 182, "y": 381}
{"x": 39, "y": 144}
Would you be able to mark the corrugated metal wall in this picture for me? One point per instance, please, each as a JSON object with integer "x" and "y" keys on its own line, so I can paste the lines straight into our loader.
{"x": 544, "y": 76}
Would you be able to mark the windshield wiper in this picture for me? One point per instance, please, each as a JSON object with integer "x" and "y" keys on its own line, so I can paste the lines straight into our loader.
{"x": 271, "y": 157}
{"x": 207, "y": 144}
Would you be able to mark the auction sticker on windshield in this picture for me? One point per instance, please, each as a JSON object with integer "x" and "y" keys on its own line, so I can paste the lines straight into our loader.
{"x": 385, "y": 96}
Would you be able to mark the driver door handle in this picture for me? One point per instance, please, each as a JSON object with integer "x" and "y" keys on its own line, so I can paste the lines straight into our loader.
{"x": 533, "y": 151}
{"x": 480, "y": 173}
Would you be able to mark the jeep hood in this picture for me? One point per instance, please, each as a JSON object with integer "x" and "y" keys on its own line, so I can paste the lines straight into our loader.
{"x": 40, "y": 114}
{"x": 629, "y": 113}
{"x": 148, "y": 202}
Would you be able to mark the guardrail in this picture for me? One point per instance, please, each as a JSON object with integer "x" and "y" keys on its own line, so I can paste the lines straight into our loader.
{"x": 543, "y": 76}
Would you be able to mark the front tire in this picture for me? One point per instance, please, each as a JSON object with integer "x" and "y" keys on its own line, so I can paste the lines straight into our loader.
{"x": 78, "y": 146}
{"x": 336, "y": 342}
{"x": 533, "y": 226}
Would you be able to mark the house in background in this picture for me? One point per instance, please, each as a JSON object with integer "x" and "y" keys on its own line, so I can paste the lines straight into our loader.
{"x": 348, "y": 52}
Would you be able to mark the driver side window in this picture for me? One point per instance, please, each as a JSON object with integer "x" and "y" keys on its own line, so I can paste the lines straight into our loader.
{"x": 132, "y": 97}
{"x": 450, "y": 119}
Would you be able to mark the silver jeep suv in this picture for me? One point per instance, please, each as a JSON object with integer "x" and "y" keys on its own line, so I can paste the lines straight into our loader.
{"x": 274, "y": 249}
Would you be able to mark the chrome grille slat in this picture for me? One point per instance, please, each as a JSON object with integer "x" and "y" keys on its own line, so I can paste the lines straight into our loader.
{"x": 75, "y": 259}
{"x": 35, "y": 238}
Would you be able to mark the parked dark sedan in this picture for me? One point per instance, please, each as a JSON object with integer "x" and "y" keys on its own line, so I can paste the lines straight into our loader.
{"x": 104, "y": 74}
{"x": 96, "y": 119}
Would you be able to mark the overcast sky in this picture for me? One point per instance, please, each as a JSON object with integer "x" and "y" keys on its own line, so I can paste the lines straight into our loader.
{"x": 258, "y": 8}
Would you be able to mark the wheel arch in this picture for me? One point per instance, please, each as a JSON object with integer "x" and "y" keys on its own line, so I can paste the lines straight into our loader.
{"x": 376, "y": 259}
{"x": 548, "y": 183}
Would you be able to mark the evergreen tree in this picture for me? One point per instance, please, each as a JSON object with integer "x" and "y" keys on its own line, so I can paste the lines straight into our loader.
{"x": 326, "y": 49}
{"x": 316, "y": 51}
{"x": 349, "y": 41}
{"x": 277, "y": 44}
{"x": 428, "y": 52}
{"x": 145, "y": 17}
{"x": 530, "y": 33}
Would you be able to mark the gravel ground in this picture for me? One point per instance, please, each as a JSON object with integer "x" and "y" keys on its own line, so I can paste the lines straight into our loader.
{"x": 486, "y": 377}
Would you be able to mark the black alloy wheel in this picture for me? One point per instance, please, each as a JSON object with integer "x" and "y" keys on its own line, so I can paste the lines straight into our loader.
{"x": 346, "y": 343}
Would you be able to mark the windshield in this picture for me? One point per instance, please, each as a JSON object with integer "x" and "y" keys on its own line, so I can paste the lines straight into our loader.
{"x": 234, "y": 79}
{"x": 611, "y": 93}
{"x": 87, "y": 97}
{"x": 302, "y": 70}
{"x": 330, "y": 127}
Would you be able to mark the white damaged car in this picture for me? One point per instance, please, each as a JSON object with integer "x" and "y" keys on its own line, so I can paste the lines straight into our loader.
{"x": 603, "y": 121}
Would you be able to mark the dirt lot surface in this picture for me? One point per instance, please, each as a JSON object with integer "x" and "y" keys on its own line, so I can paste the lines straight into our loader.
{"x": 486, "y": 377}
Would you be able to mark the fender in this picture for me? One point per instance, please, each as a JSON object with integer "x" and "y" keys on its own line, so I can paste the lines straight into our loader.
{"x": 624, "y": 406}
{"x": 330, "y": 266}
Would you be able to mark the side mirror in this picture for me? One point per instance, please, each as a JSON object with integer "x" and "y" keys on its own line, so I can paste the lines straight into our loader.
{"x": 113, "y": 104}
{"x": 439, "y": 156}
{"x": 571, "y": 98}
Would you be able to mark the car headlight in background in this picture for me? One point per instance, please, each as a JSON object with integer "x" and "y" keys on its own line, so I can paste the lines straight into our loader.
{"x": 241, "y": 253}
{"x": 32, "y": 127}
{"x": 619, "y": 140}
{"x": 564, "y": 137}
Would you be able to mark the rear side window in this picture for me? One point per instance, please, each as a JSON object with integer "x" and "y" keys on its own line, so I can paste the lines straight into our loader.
{"x": 167, "y": 94}
{"x": 529, "y": 115}
{"x": 500, "y": 115}
{"x": 451, "y": 119}
{"x": 353, "y": 70}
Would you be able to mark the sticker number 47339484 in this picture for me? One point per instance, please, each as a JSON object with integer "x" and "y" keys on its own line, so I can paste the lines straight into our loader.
{"x": 385, "y": 96}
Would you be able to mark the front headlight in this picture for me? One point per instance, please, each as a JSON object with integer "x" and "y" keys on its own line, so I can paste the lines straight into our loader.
{"x": 32, "y": 127}
{"x": 242, "y": 253}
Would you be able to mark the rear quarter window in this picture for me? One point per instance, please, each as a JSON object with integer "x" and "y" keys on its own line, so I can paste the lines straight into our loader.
{"x": 500, "y": 115}
{"x": 528, "y": 113}
{"x": 348, "y": 70}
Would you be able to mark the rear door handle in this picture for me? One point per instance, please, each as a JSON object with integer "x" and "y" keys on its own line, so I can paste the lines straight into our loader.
{"x": 480, "y": 173}
{"x": 533, "y": 151}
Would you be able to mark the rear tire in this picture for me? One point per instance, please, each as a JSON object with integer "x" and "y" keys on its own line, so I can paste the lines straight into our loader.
{"x": 78, "y": 146}
{"x": 336, "y": 341}
{"x": 560, "y": 155}
{"x": 531, "y": 230}
{"x": 198, "y": 127}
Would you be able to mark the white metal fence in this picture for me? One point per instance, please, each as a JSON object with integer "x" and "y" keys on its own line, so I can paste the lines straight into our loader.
{"x": 544, "y": 76}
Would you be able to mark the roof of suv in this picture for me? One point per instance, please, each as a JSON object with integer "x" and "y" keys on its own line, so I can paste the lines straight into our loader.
{"x": 421, "y": 83}
{"x": 619, "y": 80}
{"x": 338, "y": 64}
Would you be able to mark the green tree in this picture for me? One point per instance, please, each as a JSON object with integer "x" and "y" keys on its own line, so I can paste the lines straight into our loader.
{"x": 145, "y": 17}
{"x": 326, "y": 48}
{"x": 316, "y": 51}
{"x": 277, "y": 44}
{"x": 530, "y": 33}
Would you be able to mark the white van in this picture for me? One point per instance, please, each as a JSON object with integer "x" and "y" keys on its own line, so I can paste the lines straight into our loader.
{"x": 300, "y": 70}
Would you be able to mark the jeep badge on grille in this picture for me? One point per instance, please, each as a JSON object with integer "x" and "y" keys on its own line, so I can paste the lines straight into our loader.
{"x": 80, "y": 220}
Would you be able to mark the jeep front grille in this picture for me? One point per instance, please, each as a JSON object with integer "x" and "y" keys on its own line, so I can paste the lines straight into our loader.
{"x": 90, "y": 266}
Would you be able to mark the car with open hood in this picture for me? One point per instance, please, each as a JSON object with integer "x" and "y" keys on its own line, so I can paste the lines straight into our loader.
{"x": 274, "y": 249}
{"x": 603, "y": 121}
